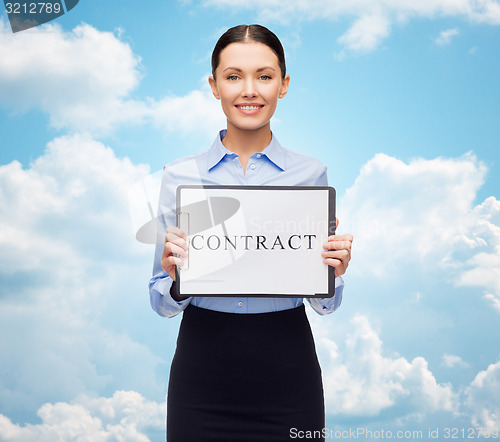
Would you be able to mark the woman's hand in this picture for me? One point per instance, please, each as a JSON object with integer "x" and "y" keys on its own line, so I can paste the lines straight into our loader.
{"x": 175, "y": 243}
{"x": 337, "y": 252}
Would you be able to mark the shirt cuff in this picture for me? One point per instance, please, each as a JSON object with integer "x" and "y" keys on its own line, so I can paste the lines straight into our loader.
{"x": 161, "y": 300}
{"x": 328, "y": 305}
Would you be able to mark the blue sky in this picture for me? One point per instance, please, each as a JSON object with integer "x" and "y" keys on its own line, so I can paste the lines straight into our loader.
{"x": 402, "y": 103}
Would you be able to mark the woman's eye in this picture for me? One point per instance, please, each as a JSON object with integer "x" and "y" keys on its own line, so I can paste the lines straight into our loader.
{"x": 232, "y": 77}
{"x": 265, "y": 77}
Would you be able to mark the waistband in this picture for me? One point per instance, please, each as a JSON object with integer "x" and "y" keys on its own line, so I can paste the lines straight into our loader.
{"x": 203, "y": 317}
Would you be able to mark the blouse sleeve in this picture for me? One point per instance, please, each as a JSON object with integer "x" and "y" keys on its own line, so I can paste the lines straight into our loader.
{"x": 160, "y": 283}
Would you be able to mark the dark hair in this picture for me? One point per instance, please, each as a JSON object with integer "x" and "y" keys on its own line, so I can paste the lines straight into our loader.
{"x": 247, "y": 33}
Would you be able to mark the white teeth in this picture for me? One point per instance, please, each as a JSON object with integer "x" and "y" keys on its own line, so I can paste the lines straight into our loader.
{"x": 249, "y": 107}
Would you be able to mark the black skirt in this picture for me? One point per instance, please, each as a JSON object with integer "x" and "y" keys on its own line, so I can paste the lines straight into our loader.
{"x": 244, "y": 377}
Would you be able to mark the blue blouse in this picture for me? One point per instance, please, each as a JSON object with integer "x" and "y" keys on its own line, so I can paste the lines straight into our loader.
{"x": 275, "y": 166}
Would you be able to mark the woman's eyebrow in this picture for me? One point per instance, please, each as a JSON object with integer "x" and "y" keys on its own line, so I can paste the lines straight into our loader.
{"x": 240, "y": 70}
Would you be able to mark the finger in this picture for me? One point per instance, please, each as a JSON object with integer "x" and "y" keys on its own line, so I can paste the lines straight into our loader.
{"x": 337, "y": 266}
{"x": 333, "y": 262}
{"x": 337, "y": 222}
{"x": 172, "y": 248}
{"x": 170, "y": 261}
{"x": 340, "y": 268}
{"x": 174, "y": 239}
{"x": 344, "y": 237}
{"x": 337, "y": 245}
{"x": 176, "y": 231}
{"x": 333, "y": 238}
{"x": 342, "y": 255}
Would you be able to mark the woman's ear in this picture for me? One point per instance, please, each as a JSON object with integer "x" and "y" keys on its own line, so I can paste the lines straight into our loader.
{"x": 284, "y": 86}
{"x": 213, "y": 86}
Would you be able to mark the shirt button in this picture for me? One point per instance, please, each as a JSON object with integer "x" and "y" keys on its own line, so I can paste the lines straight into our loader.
{"x": 252, "y": 166}
{"x": 258, "y": 155}
{"x": 240, "y": 304}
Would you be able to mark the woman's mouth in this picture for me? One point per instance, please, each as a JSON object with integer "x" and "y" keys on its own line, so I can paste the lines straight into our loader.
{"x": 250, "y": 108}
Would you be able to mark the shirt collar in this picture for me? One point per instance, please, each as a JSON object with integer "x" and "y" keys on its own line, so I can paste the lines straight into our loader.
{"x": 273, "y": 151}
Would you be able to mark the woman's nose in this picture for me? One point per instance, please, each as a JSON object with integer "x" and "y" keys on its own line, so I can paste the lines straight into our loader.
{"x": 249, "y": 89}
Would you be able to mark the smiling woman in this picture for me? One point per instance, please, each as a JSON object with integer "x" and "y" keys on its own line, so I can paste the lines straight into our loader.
{"x": 248, "y": 77}
{"x": 234, "y": 376}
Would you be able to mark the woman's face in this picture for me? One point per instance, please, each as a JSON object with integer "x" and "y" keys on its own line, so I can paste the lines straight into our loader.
{"x": 248, "y": 83}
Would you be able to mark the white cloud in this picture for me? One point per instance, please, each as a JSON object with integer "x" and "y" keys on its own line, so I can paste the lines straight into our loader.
{"x": 451, "y": 361}
{"x": 482, "y": 269}
{"x": 126, "y": 416}
{"x": 423, "y": 214}
{"x": 372, "y": 20}
{"x": 83, "y": 80}
{"x": 66, "y": 186}
{"x": 80, "y": 78}
{"x": 366, "y": 33}
{"x": 359, "y": 380}
{"x": 482, "y": 398}
{"x": 412, "y": 212}
{"x": 446, "y": 36}
{"x": 494, "y": 299}
{"x": 74, "y": 280}
{"x": 198, "y": 110}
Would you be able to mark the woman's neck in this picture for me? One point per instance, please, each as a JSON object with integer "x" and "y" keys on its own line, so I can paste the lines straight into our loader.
{"x": 246, "y": 142}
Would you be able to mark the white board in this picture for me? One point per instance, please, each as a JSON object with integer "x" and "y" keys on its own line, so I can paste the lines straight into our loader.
{"x": 256, "y": 240}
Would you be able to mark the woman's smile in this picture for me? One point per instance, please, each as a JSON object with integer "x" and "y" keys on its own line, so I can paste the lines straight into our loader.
{"x": 249, "y": 108}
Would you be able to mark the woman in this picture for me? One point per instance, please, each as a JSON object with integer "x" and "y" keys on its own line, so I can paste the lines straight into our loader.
{"x": 245, "y": 369}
